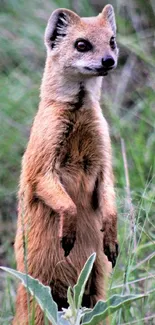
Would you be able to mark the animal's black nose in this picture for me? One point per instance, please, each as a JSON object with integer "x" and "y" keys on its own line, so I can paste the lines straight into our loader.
{"x": 108, "y": 62}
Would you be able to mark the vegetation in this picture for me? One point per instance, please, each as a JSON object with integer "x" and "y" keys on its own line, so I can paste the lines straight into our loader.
{"x": 128, "y": 104}
{"x": 75, "y": 314}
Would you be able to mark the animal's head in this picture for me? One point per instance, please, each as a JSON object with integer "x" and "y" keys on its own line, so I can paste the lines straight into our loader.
{"x": 82, "y": 46}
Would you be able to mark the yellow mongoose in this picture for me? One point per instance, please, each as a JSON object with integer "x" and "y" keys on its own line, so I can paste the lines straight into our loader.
{"x": 66, "y": 196}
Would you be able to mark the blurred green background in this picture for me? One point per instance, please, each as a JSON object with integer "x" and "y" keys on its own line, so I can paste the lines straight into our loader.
{"x": 128, "y": 101}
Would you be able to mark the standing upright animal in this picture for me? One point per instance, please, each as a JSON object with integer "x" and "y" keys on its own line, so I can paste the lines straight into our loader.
{"x": 66, "y": 198}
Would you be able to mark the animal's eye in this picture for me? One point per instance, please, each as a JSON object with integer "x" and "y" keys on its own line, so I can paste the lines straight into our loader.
{"x": 83, "y": 45}
{"x": 113, "y": 42}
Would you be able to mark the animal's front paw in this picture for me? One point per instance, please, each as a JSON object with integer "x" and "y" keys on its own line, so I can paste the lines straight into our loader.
{"x": 67, "y": 242}
{"x": 111, "y": 251}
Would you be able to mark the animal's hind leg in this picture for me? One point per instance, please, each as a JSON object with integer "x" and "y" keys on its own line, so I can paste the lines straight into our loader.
{"x": 21, "y": 315}
{"x": 99, "y": 278}
{"x": 59, "y": 293}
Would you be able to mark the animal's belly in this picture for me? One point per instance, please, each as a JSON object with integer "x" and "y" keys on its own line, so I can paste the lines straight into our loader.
{"x": 79, "y": 185}
{"x": 81, "y": 188}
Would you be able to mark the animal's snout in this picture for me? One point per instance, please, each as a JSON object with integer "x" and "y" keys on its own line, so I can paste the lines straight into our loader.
{"x": 108, "y": 62}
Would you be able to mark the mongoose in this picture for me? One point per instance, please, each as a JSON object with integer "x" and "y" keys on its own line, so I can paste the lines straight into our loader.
{"x": 66, "y": 198}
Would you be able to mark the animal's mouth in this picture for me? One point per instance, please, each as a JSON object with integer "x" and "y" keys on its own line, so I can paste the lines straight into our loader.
{"x": 101, "y": 71}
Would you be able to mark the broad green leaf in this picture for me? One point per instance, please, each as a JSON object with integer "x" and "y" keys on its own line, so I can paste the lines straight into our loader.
{"x": 104, "y": 308}
{"x": 42, "y": 294}
{"x": 79, "y": 288}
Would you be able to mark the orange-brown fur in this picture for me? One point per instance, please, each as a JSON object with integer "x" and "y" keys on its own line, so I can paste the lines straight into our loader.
{"x": 66, "y": 185}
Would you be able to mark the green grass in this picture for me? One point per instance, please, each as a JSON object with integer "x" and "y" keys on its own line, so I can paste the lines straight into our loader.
{"x": 128, "y": 104}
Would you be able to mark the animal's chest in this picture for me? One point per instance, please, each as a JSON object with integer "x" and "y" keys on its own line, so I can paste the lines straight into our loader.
{"x": 81, "y": 157}
{"x": 82, "y": 148}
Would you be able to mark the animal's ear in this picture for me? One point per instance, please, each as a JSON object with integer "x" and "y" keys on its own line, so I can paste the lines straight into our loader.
{"x": 109, "y": 15}
{"x": 57, "y": 26}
